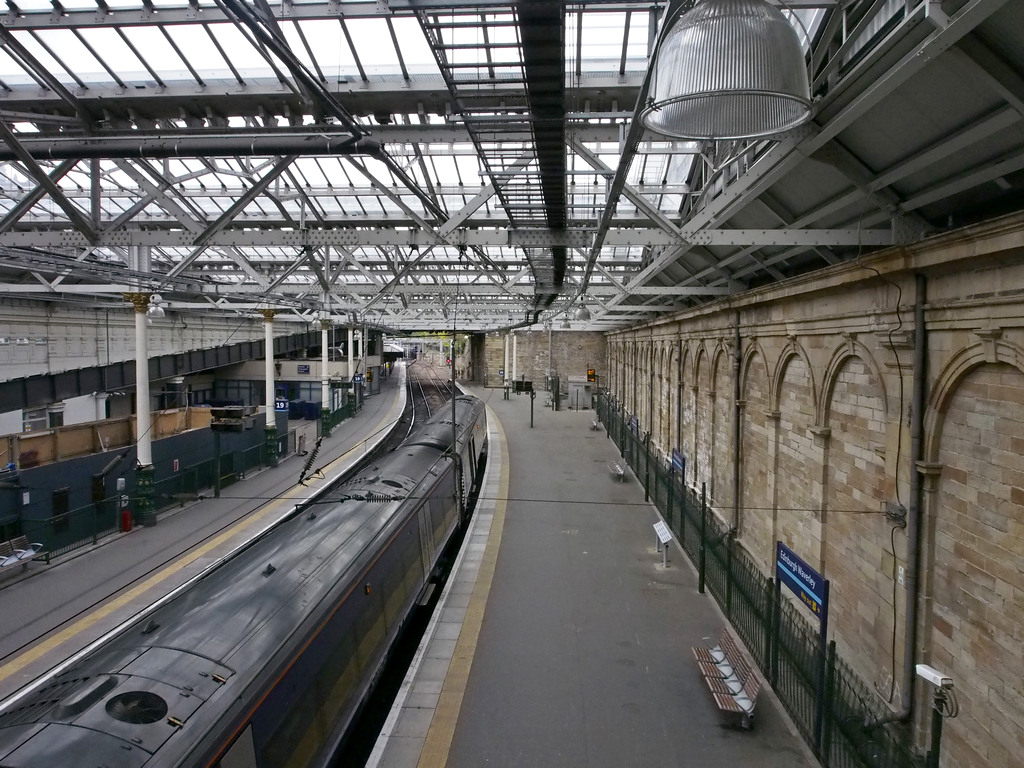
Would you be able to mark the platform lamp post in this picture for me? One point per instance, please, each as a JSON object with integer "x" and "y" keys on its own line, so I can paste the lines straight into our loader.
{"x": 146, "y": 306}
{"x": 325, "y": 381}
{"x": 270, "y": 429}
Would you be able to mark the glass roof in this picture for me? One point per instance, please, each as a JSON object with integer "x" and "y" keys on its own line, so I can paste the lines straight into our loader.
{"x": 365, "y": 150}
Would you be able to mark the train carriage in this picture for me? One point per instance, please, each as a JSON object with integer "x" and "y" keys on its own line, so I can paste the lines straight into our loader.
{"x": 265, "y": 661}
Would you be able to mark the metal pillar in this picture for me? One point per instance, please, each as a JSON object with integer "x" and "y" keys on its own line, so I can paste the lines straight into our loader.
{"x": 270, "y": 428}
{"x": 325, "y": 381}
{"x": 351, "y": 353}
{"x": 144, "y": 507}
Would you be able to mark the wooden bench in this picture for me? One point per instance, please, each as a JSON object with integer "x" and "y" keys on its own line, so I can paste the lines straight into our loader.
{"x": 617, "y": 471}
{"x": 729, "y": 675}
{"x": 18, "y": 551}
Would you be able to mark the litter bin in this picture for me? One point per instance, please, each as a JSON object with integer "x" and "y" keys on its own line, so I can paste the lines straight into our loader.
{"x": 126, "y": 520}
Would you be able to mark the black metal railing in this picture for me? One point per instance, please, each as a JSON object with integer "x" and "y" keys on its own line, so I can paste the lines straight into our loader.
{"x": 829, "y": 703}
{"x": 84, "y": 526}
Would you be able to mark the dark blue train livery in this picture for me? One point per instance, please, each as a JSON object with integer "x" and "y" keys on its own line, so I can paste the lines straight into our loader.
{"x": 265, "y": 660}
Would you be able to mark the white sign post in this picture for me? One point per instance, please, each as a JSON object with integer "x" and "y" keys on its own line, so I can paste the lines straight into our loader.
{"x": 664, "y": 536}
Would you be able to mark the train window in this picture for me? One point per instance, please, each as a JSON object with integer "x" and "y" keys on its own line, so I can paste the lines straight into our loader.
{"x": 242, "y": 754}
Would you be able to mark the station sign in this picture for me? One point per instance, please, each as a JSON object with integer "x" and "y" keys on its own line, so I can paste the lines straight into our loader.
{"x": 281, "y": 404}
{"x": 805, "y": 582}
{"x": 303, "y": 368}
{"x": 678, "y": 461}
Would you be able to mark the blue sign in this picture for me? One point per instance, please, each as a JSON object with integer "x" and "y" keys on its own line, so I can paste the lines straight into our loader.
{"x": 678, "y": 461}
{"x": 358, "y": 378}
{"x": 303, "y": 369}
{"x": 805, "y": 582}
{"x": 280, "y": 404}
{"x": 634, "y": 425}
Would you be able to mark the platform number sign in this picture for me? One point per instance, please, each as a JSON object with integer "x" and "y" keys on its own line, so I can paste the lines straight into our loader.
{"x": 591, "y": 374}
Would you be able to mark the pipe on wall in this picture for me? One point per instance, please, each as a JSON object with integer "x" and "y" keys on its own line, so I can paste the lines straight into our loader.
{"x": 912, "y": 583}
{"x": 738, "y": 414}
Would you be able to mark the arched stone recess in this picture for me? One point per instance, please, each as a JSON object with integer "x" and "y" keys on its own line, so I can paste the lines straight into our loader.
{"x": 703, "y": 419}
{"x": 643, "y": 378}
{"x": 662, "y": 397}
{"x": 722, "y": 442}
{"x": 975, "y": 522}
{"x": 755, "y": 499}
{"x": 858, "y": 556}
{"x": 687, "y": 390}
{"x": 799, "y": 458}
{"x": 672, "y": 401}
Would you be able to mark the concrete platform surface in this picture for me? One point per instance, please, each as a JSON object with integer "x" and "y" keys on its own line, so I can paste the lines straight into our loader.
{"x": 562, "y": 640}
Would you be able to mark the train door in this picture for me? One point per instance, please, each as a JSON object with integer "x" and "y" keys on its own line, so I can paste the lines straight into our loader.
{"x": 426, "y": 538}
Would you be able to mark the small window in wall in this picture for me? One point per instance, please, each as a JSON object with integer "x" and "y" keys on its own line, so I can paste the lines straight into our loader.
{"x": 56, "y": 419}
{"x": 60, "y": 519}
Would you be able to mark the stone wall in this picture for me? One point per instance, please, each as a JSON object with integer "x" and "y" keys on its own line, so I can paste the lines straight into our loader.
{"x": 571, "y": 354}
{"x": 793, "y": 404}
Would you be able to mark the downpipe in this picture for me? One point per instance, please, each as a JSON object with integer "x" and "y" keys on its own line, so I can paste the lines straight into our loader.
{"x": 738, "y": 411}
{"x": 913, "y": 510}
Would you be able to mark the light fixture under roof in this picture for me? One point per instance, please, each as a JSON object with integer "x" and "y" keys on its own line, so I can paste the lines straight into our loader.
{"x": 582, "y": 313}
{"x": 155, "y": 311}
{"x": 728, "y": 69}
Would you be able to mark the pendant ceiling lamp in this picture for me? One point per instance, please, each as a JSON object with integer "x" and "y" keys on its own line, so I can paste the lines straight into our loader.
{"x": 728, "y": 69}
{"x": 582, "y": 313}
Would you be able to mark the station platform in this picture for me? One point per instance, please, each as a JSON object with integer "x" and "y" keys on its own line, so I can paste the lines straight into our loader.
{"x": 561, "y": 639}
{"x": 52, "y": 611}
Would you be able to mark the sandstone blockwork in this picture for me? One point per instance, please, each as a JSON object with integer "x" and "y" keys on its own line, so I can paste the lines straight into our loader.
{"x": 808, "y": 390}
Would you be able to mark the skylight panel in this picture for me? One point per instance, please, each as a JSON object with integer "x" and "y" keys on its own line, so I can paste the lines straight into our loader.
{"x": 159, "y": 54}
{"x": 53, "y": 40}
{"x": 35, "y": 5}
{"x": 601, "y": 40}
{"x": 373, "y": 46}
{"x": 200, "y": 50}
{"x": 415, "y": 50}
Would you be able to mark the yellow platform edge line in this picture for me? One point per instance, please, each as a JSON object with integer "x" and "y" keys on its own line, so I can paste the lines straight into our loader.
{"x": 442, "y": 726}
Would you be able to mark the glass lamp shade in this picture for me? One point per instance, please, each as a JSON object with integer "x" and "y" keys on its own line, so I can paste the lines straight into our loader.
{"x": 582, "y": 313}
{"x": 729, "y": 69}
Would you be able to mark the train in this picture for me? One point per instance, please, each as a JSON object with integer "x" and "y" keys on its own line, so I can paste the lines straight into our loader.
{"x": 265, "y": 660}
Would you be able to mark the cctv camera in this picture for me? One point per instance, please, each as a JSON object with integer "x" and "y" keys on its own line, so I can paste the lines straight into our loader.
{"x": 933, "y": 676}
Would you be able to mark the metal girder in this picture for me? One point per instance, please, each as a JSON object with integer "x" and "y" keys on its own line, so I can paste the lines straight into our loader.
{"x": 77, "y": 218}
{"x": 33, "y": 197}
{"x": 202, "y": 242}
{"x": 477, "y": 238}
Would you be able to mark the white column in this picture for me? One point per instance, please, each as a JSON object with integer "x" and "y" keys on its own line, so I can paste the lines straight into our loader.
{"x": 100, "y": 400}
{"x": 325, "y": 383}
{"x": 144, "y": 425}
{"x": 351, "y": 354}
{"x": 505, "y": 368}
{"x": 268, "y": 368}
{"x": 515, "y": 357}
